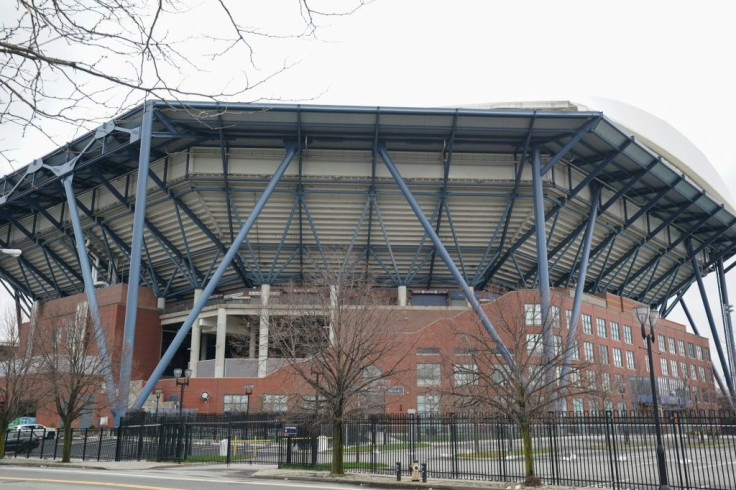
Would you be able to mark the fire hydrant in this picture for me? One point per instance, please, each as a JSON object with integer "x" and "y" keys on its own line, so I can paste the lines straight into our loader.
{"x": 415, "y": 470}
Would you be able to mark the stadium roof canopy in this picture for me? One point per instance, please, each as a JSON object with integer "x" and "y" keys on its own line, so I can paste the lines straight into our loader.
{"x": 468, "y": 169}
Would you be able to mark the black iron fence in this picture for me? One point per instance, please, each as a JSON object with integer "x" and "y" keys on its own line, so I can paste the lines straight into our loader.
{"x": 611, "y": 449}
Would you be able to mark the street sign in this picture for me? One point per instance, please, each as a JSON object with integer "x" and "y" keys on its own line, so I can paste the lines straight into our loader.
{"x": 290, "y": 431}
{"x": 395, "y": 390}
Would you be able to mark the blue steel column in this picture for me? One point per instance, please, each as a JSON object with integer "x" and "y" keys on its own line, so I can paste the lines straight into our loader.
{"x": 442, "y": 251}
{"x": 712, "y": 324}
{"x": 542, "y": 265}
{"x": 212, "y": 284}
{"x": 723, "y": 388}
{"x": 89, "y": 286}
{"x": 577, "y": 301}
{"x": 131, "y": 305}
{"x": 727, "y": 324}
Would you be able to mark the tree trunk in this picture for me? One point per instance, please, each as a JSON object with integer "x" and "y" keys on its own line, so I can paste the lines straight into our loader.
{"x": 526, "y": 439}
{"x": 3, "y": 437}
{"x": 66, "y": 449}
{"x": 337, "y": 467}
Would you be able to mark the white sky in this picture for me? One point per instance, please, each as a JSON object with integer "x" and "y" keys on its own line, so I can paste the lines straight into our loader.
{"x": 674, "y": 59}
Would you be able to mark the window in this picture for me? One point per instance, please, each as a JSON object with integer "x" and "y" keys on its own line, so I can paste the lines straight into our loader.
{"x": 673, "y": 365}
{"x": 428, "y": 403}
{"x": 617, "y": 360}
{"x": 533, "y": 314}
{"x": 555, "y": 312}
{"x": 608, "y": 406}
{"x": 710, "y": 374}
{"x": 606, "y": 382}
{"x": 621, "y": 407}
{"x": 627, "y": 334}
{"x": 700, "y": 352}
{"x": 428, "y": 375}
{"x": 587, "y": 324}
{"x": 428, "y": 351}
{"x": 593, "y": 407}
{"x": 558, "y": 344}
{"x": 690, "y": 349}
{"x": 663, "y": 365}
{"x": 568, "y": 318}
{"x": 577, "y": 405}
{"x": 591, "y": 378}
{"x": 681, "y": 347}
{"x": 534, "y": 343}
{"x": 235, "y": 403}
{"x": 660, "y": 339}
{"x": 575, "y": 353}
{"x": 464, "y": 351}
{"x": 706, "y": 354}
{"x": 693, "y": 372}
{"x": 671, "y": 345}
{"x": 275, "y": 403}
{"x": 683, "y": 369}
{"x": 601, "y": 327}
{"x": 702, "y": 373}
{"x": 588, "y": 351}
{"x": 615, "y": 333}
{"x": 646, "y": 361}
{"x": 603, "y": 354}
{"x": 466, "y": 374}
{"x": 630, "y": 360}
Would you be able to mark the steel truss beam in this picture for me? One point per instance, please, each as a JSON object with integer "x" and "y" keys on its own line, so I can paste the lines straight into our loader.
{"x": 440, "y": 248}
{"x": 291, "y": 150}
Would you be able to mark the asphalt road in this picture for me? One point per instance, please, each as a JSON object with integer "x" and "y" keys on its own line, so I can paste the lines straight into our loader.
{"x": 33, "y": 478}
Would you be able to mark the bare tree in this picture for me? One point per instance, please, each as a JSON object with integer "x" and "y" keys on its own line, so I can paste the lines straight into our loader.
{"x": 65, "y": 60}
{"x": 68, "y": 357}
{"x": 19, "y": 393}
{"x": 341, "y": 343}
{"x": 533, "y": 386}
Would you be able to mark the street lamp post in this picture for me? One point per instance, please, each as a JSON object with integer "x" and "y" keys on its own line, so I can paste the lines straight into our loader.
{"x": 158, "y": 397}
{"x": 182, "y": 380}
{"x": 646, "y": 315}
{"x": 248, "y": 392}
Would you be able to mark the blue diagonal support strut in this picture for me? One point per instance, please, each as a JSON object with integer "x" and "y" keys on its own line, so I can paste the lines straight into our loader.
{"x": 577, "y": 301}
{"x": 542, "y": 265}
{"x": 442, "y": 251}
{"x": 711, "y": 323}
{"x": 212, "y": 284}
{"x": 134, "y": 276}
{"x": 89, "y": 287}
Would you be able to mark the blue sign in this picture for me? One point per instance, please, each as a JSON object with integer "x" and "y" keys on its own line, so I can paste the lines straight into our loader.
{"x": 395, "y": 390}
{"x": 290, "y": 431}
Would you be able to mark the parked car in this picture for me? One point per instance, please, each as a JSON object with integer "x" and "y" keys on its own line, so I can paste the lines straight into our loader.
{"x": 21, "y": 441}
{"x": 36, "y": 429}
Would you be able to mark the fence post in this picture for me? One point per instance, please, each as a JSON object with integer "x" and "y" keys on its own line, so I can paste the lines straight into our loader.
{"x": 56, "y": 443}
{"x": 84, "y": 447}
{"x": 613, "y": 464}
{"x": 374, "y": 430}
{"x": 551, "y": 429}
{"x": 99, "y": 445}
{"x": 609, "y": 416}
{"x": 453, "y": 444}
{"x": 229, "y": 439}
{"x": 680, "y": 448}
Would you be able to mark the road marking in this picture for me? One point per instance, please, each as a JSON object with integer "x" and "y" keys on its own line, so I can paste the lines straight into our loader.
{"x": 83, "y": 482}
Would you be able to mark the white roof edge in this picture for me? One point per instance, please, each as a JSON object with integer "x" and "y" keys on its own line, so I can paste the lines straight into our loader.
{"x": 647, "y": 128}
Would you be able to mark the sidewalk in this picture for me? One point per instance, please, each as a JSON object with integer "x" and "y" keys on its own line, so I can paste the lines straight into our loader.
{"x": 272, "y": 473}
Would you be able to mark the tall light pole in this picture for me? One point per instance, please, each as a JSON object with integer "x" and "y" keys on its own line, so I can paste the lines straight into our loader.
{"x": 649, "y": 316}
{"x": 182, "y": 381}
{"x": 158, "y": 397}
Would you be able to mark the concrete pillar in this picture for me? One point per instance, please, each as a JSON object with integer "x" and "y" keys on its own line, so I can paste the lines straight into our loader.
{"x": 402, "y": 295}
{"x": 196, "y": 337}
{"x": 220, "y": 342}
{"x": 263, "y": 332}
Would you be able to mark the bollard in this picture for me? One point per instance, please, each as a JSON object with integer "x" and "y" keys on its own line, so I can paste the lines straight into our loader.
{"x": 398, "y": 471}
{"x": 423, "y": 471}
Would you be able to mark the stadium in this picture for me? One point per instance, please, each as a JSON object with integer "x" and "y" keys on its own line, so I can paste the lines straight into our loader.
{"x": 210, "y": 210}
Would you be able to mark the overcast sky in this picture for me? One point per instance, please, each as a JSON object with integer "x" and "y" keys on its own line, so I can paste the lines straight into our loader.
{"x": 674, "y": 59}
